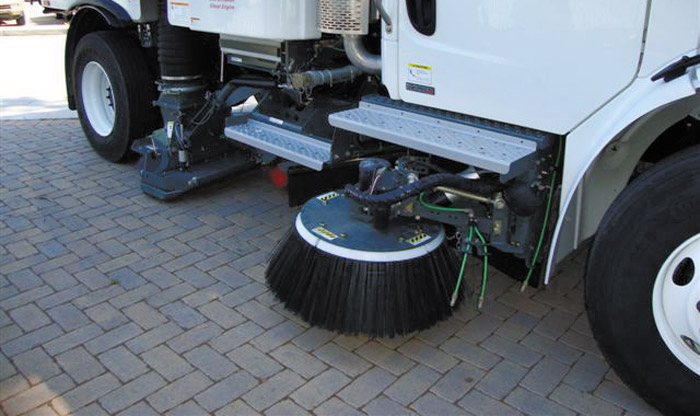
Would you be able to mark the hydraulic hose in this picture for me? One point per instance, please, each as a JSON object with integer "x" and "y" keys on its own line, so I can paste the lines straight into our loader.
{"x": 387, "y": 199}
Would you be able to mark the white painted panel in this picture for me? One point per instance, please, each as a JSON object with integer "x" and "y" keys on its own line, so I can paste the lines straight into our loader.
{"x": 262, "y": 19}
{"x": 674, "y": 29}
{"x": 544, "y": 64}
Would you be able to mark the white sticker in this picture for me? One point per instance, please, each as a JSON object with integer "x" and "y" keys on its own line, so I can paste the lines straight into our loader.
{"x": 420, "y": 74}
{"x": 179, "y": 13}
{"x": 276, "y": 120}
{"x": 169, "y": 129}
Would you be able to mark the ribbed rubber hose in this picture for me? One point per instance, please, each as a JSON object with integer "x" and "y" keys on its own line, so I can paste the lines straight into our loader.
{"x": 180, "y": 51}
{"x": 414, "y": 188}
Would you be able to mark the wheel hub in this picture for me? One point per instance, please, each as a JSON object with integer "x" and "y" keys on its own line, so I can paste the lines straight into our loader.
{"x": 98, "y": 97}
{"x": 676, "y": 303}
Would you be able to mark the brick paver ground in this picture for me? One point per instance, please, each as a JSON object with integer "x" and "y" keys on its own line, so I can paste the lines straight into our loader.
{"x": 114, "y": 303}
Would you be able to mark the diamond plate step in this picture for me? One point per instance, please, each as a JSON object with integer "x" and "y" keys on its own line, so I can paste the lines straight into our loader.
{"x": 452, "y": 140}
{"x": 305, "y": 150}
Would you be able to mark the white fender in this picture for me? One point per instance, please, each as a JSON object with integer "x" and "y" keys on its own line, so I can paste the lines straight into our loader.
{"x": 589, "y": 139}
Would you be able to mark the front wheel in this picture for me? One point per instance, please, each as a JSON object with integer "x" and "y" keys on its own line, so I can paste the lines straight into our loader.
{"x": 114, "y": 91}
{"x": 642, "y": 284}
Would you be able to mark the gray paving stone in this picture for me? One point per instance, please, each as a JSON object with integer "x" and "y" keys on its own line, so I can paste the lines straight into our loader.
{"x": 126, "y": 278}
{"x": 237, "y": 408}
{"x": 431, "y": 404}
{"x": 31, "y": 339}
{"x": 133, "y": 296}
{"x": 320, "y": 388}
{"x": 502, "y": 379}
{"x": 170, "y": 294}
{"x": 85, "y": 394}
{"x": 580, "y": 342}
{"x": 624, "y": 398}
{"x": 106, "y": 316}
{"x": 587, "y": 373}
{"x": 440, "y": 332}
{"x": 46, "y": 410}
{"x": 221, "y": 314}
{"x": 367, "y": 386}
{"x": 210, "y": 362}
{"x": 25, "y": 279}
{"x": 187, "y": 409}
{"x": 279, "y": 335}
{"x": 511, "y": 350}
{"x": 36, "y": 365}
{"x": 29, "y": 317}
{"x": 243, "y": 294}
{"x": 226, "y": 391}
{"x": 139, "y": 409}
{"x": 92, "y": 278}
{"x": 59, "y": 279}
{"x": 313, "y": 338}
{"x": 470, "y": 353}
{"x": 6, "y": 368}
{"x": 550, "y": 348}
{"x": 480, "y": 404}
{"x": 144, "y": 315}
{"x": 132, "y": 392}
{"x": 195, "y": 277}
{"x": 166, "y": 362}
{"x": 381, "y": 406}
{"x": 273, "y": 390}
{"x": 68, "y": 316}
{"x": 457, "y": 382}
{"x": 12, "y": 386}
{"x": 335, "y": 407}
{"x": 161, "y": 277}
{"x": 178, "y": 391}
{"x": 207, "y": 295}
{"x": 412, "y": 385}
{"x": 384, "y": 357}
{"x": 479, "y": 328}
{"x": 261, "y": 315}
{"x": 155, "y": 336}
{"x": 351, "y": 342}
{"x": 194, "y": 337}
{"x": 98, "y": 296}
{"x": 73, "y": 339}
{"x": 122, "y": 363}
{"x": 583, "y": 403}
{"x": 545, "y": 376}
{"x": 255, "y": 362}
{"x": 234, "y": 338}
{"x": 555, "y": 324}
{"x": 535, "y": 405}
{"x": 183, "y": 315}
{"x": 37, "y": 395}
{"x": 345, "y": 361}
{"x": 427, "y": 355}
{"x": 80, "y": 365}
{"x": 298, "y": 360}
{"x": 113, "y": 338}
{"x": 286, "y": 408}
{"x": 63, "y": 296}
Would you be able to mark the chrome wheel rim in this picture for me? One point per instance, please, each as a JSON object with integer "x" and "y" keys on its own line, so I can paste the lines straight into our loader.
{"x": 676, "y": 303}
{"x": 98, "y": 99}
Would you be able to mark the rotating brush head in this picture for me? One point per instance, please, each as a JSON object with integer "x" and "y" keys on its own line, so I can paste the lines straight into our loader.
{"x": 338, "y": 272}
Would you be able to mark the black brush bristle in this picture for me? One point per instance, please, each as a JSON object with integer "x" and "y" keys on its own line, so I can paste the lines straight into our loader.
{"x": 352, "y": 297}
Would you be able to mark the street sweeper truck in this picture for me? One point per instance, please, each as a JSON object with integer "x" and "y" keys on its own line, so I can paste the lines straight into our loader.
{"x": 420, "y": 134}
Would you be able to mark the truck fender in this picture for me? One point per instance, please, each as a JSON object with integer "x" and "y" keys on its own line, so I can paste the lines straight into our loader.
{"x": 588, "y": 141}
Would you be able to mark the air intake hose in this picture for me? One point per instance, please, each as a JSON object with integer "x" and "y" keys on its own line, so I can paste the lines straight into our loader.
{"x": 180, "y": 51}
{"x": 382, "y": 201}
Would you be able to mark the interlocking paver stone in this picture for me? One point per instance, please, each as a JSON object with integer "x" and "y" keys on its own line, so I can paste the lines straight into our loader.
{"x": 187, "y": 409}
{"x": 178, "y": 391}
{"x": 286, "y": 408}
{"x": 89, "y": 265}
{"x": 210, "y": 362}
{"x": 166, "y": 362}
{"x": 35, "y": 365}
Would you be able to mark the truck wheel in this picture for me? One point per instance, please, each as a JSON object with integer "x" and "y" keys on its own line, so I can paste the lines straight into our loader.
{"x": 642, "y": 285}
{"x": 114, "y": 91}
{"x": 21, "y": 20}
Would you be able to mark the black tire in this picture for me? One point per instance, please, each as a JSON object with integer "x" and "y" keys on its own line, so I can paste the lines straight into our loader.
{"x": 651, "y": 218}
{"x": 132, "y": 88}
{"x": 21, "y": 21}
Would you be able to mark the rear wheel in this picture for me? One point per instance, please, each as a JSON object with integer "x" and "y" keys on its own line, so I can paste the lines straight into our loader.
{"x": 643, "y": 284}
{"x": 114, "y": 91}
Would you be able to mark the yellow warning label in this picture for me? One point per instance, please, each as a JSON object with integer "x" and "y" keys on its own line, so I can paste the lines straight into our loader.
{"x": 324, "y": 233}
{"x": 420, "y": 67}
{"x": 328, "y": 196}
{"x": 418, "y": 238}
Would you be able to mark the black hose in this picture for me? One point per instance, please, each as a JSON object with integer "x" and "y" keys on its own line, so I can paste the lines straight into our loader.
{"x": 382, "y": 201}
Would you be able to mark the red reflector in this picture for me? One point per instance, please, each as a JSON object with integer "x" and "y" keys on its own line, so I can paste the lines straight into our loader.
{"x": 277, "y": 177}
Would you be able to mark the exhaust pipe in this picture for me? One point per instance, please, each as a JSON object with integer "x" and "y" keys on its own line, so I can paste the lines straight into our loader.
{"x": 360, "y": 56}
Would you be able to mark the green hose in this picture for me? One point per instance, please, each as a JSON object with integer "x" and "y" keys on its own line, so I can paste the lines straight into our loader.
{"x": 453, "y": 300}
{"x": 485, "y": 271}
{"x": 544, "y": 222}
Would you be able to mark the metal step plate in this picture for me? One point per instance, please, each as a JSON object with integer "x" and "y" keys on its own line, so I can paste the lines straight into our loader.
{"x": 305, "y": 150}
{"x": 452, "y": 140}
